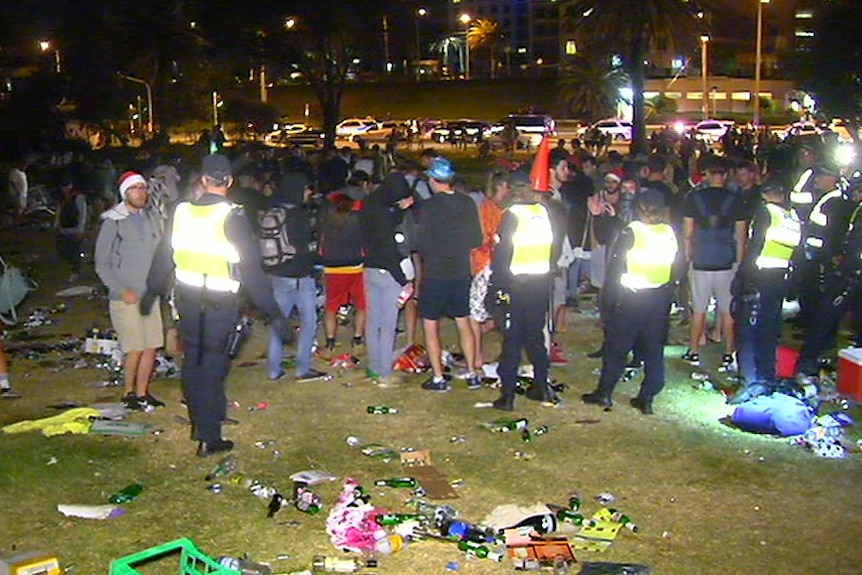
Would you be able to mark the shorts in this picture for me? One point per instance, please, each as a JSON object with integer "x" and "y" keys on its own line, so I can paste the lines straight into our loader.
{"x": 440, "y": 297}
{"x": 706, "y": 285}
{"x": 478, "y": 291}
{"x": 137, "y": 332}
{"x": 344, "y": 288}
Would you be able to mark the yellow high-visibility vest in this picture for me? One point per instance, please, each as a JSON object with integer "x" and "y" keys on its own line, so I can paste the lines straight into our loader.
{"x": 782, "y": 236}
{"x": 649, "y": 262}
{"x": 202, "y": 253}
{"x": 533, "y": 240}
{"x": 801, "y": 194}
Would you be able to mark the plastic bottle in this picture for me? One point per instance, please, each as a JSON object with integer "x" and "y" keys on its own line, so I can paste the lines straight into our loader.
{"x": 126, "y": 494}
{"x": 390, "y": 544}
{"x": 321, "y": 563}
{"x": 396, "y": 482}
{"x": 225, "y": 466}
{"x": 380, "y": 410}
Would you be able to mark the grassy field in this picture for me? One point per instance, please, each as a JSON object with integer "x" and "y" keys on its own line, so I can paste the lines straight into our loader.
{"x": 709, "y": 499}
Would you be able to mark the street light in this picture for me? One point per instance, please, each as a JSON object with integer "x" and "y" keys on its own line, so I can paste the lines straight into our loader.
{"x": 465, "y": 19}
{"x": 45, "y": 46}
{"x": 289, "y": 23}
{"x": 704, "y": 40}
{"x": 149, "y": 98}
{"x": 757, "y": 61}
{"x": 420, "y": 14}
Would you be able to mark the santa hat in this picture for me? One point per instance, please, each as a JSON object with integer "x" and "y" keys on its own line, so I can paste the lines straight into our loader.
{"x": 129, "y": 179}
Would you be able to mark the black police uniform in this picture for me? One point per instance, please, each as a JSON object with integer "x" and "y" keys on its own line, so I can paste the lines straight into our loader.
{"x": 207, "y": 317}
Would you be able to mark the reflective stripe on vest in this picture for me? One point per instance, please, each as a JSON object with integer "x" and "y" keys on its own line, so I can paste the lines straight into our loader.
{"x": 799, "y": 195}
{"x": 817, "y": 216}
{"x": 649, "y": 262}
{"x": 202, "y": 253}
{"x": 532, "y": 240}
{"x": 782, "y": 237}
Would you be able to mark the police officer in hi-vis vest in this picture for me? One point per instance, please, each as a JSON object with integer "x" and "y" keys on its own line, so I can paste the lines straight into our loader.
{"x": 530, "y": 238}
{"x": 212, "y": 250}
{"x": 645, "y": 264}
{"x": 759, "y": 289}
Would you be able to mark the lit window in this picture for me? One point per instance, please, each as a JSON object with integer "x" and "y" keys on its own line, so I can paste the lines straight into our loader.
{"x": 571, "y": 47}
{"x": 694, "y": 96}
{"x": 741, "y": 96}
{"x": 673, "y": 95}
{"x": 804, "y": 33}
{"x": 805, "y": 15}
{"x": 650, "y": 95}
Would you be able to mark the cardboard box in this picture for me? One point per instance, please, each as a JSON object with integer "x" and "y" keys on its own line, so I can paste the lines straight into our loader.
{"x": 850, "y": 372}
{"x": 435, "y": 484}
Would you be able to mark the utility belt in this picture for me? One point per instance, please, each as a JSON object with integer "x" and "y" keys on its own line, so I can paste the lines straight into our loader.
{"x": 207, "y": 283}
{"x": 214, "y": 299}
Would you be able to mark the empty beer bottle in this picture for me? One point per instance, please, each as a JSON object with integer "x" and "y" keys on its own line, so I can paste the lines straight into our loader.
{"x": 398, "y": 518}
{"x": 380, "y": 410}
{"x": 126, "y": 494}
{"x": 505, "y": 425}
{"x": 619, "y": 517}
{"x": 225, "y": 466}
{"x": 526, "y": 436}
{"x": 321, "y": 563}
{"x": 542, "y": 523}
{"x": 541, "y": 430}
{"x": 478, "y": 550}
{"x": 570, "y": 516}
{"x": 396, "y": 482}
{"x": 574, "y": 501}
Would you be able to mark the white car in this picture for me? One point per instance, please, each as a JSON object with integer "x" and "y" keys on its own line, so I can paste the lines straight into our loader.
{"x": 711, "y": 130}
{"x": 278, "y": 135}
{"x": 352, "y": 127}
{"x": 618, "y": 129}
{"x": 800, "y": 129}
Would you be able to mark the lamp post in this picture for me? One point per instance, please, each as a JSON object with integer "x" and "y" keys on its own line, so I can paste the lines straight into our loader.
{"x": 420, "y": 14}
{"x": 465, "y": 19}
{"x": 704, "y": 64}
{"x": 757, "y": 61}
{"x": 149, "y": 98}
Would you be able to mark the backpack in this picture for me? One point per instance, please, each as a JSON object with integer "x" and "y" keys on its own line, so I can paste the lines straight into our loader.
{"x": 69, "y": 213}
{"x": 714, "y": 242}
{"x": 276, "y": 246}
{"x": 774, "y": 414}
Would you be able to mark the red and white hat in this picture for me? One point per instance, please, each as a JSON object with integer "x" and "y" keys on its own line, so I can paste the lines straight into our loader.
{"x": 129, "y": 179}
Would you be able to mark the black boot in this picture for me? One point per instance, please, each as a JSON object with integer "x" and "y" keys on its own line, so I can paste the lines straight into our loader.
{"x": 597, "y": 398}
{"x": 642, "y": 404}
{"x": 207, "y": 448}
{"x": 505, "y": 402}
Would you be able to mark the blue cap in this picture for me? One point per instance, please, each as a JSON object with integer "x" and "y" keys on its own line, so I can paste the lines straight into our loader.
{"x": 440, "y": 170}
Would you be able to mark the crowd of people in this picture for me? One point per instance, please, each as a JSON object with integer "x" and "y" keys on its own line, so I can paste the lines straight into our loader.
{"x": 385, "y": 235}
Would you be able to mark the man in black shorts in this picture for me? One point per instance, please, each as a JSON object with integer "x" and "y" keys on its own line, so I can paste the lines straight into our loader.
{"x": 448, "y": 230}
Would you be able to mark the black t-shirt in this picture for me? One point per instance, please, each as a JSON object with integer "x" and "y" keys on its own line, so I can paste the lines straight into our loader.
{"x": 714, "y": 199}
{"x": 448, "y": 230}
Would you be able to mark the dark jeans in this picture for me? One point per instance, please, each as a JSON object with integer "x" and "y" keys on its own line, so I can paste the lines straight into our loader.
{"x": 758, "y": 331}
{"x": 834, "y": 303}
{"x": 640, "y": 320}
{"x": 529, "y": 309}
{"x": 204, "y": 330}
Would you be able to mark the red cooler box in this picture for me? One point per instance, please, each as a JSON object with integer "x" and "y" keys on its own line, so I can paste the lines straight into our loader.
{"x": 850, "y": 372}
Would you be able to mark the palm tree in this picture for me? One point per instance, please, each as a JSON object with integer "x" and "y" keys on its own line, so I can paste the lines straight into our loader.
{"x": 589, "y": 86}
{"x": 627, "y": 28}
{"x": 485, "y": 33}
{"x": 446, "y": 46}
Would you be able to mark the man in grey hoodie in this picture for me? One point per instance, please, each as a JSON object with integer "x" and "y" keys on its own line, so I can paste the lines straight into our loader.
{"x": 125, "y": 249}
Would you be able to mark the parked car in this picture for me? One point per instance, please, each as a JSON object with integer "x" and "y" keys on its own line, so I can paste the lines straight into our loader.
{"x": 711, "y": 130}
{"x": 800, "y": 129}
{"x": 308, "y": 138}
{"x": 618, "y": 129}
{"x": 531, "y": 128}
{"x": 354, "y": 127}
{"x": 457, "y": 130}
{"x": 278, "y": 135}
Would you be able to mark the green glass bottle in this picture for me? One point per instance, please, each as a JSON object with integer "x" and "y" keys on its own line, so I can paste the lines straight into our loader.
{"x": 620, "y": 517}
{"x": 526, "y": 436}
{"x": 398, "y": 518}
{"x": 396, "y": 482}
{"x": 126, "y": 494}
{"x": 541, "y": 430}
{"x": 574, "y": 501}
{"x": 380, "y": 410}
{"x": 478, "y": 550}
{"x": 505, "y": 425}
{"x": 569, "y": 516}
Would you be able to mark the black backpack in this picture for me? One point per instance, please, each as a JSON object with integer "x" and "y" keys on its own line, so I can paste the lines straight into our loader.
{"x": 70, "y": 215}
{"x": 274, "y": 225}
{"x": 714, "y": 242}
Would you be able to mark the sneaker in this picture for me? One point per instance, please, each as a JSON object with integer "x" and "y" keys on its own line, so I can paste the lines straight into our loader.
{"x": 728, "y": 363}
{"x": 357, "y": 341}
{"x": 311, "y": 375}
{"x": 440, "y": 386}
{"x": 556, "y": 355}
{"x": 130, "y": 400}
{"x": 634, "y": 365}
{"x": 152, "y": 400}
{"x": 473, "y": 381}
{"x": 9, "y": 393}
{"x": 691, "y": 358}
